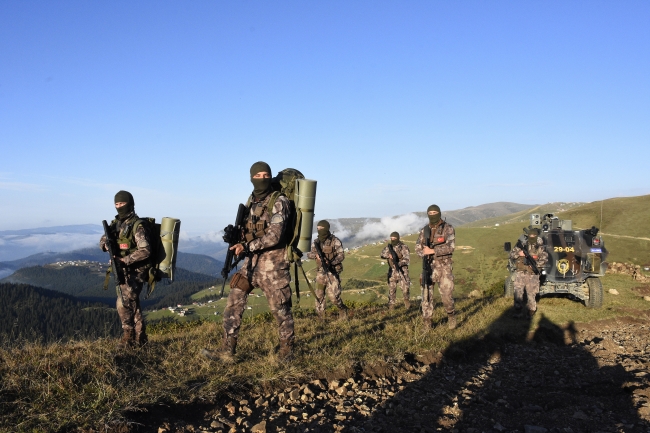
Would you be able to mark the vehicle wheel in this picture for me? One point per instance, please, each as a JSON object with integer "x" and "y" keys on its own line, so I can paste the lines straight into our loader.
{"x": 595, "y": 293}
{"x": 509, "y": 287}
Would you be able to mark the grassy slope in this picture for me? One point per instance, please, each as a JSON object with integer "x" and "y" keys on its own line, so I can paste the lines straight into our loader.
{"x": 63, "y": 386}
{"x": 59, "y": 387}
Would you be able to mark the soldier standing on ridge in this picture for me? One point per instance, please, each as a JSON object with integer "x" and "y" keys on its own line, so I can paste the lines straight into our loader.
{"x": 398, "y": 272}
{"x": 525, "y": 278}
{"x": 133, "y": 242}
{"x": 265, "y": 266}
{"x": 328, "y": 273}
{"x": 441, "y": 238}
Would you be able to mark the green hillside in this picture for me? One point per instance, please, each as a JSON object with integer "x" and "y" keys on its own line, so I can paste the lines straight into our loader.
{"x": 30, "y": 313}
{"x": 88, "y": 281}
{"x": 479, "y": 260}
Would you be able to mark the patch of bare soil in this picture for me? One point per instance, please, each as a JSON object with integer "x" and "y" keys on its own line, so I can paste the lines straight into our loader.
{"x": 591, "y": 378}
{"x": 642, "y": 290}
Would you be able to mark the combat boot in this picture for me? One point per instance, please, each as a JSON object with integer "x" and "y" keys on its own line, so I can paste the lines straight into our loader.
{"x": 127, "y": 340}
{"x": 225, "y": 354}
{"x": 343, "y": 313}
{"x": 321, "y": 316}
{"x": 286, "y": 350}
{"x": 407, "y": 304}
{"x": 451, "y": 321}
{"x": 426, "y": 325}
{"x": 391, "y": 307}
{"x": 141, "y": 338}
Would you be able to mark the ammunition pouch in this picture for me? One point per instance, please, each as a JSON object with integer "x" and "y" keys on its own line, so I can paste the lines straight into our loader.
{"x": 255, "y": 230}
{"x": 338, "y": 268}
{"x": 240, "y": 282}
{"x": 522, "y": 266}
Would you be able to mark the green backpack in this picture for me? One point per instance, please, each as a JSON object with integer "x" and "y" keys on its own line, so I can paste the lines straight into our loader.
{"x": 164, "y": 248}
{"x": 284, "y": 184}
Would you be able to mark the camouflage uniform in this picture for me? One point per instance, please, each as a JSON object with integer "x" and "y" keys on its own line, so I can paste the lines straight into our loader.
{"x": 136, "y": 273}
{"x": 443, "y": 239}
{"x": 333, "y": 251}
{"x": 394, "y": 276}
{"x": 266, "y": 267}
{"x": 525, "y": 279}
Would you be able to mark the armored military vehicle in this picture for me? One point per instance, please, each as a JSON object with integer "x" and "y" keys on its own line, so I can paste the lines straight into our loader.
{"x": 576, "y": 258}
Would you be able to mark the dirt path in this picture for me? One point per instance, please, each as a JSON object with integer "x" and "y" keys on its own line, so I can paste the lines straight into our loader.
{"x": 624, "y": 236}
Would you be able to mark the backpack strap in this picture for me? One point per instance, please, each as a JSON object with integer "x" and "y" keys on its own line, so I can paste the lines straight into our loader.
{"x": 274, "y": 197}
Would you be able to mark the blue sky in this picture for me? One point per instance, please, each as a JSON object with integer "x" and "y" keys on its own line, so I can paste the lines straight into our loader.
{"x": 391, "y": 106}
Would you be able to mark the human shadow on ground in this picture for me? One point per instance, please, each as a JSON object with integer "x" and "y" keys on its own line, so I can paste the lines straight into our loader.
{"x": 512, "y": 382}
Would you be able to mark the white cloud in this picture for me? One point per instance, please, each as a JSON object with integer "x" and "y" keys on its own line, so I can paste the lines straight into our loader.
{"x": 14, "y": 247}
{"x": 407, "y": 223}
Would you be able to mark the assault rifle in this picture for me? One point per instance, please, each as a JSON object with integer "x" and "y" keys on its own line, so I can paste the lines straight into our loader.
{"x": 426, "y": 269}
{"x": 232, "y": 235}
{"x": 393, "y": 254}
{"x": 529, "y": 259}
{"x": 327, "y": 267}
{"x": 116, "y": 265}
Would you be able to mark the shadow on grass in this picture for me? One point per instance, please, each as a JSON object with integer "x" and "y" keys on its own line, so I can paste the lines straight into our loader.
{"x": 503, "y": 382}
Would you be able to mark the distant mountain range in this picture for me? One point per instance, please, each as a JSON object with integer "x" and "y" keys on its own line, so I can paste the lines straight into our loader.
{"x": 196, "y": 263}
{"x": 30, "y": 247}
{"x": 359, "y": 231}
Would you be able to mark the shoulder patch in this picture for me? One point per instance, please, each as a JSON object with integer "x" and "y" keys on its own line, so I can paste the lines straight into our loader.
{"x": 277, "y": 218}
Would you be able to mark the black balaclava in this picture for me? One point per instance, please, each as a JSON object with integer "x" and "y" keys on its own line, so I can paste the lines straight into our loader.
{"x": 126, "y": 197}
{"x": 434, "y": 219}
{"x": 325, "y": 231}
{"x": 261, "y": 187}
{"x": 532, "y": 236}
{"x": 395, "y": 241}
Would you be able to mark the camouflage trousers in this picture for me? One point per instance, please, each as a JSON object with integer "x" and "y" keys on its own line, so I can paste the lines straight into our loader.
{"x": 404, "y": 282}
{"x": 330, "y": 284}
{"x": 129, "y": 309}
{"x": 274, "y": 282}
{"x": 443, "y": 275}
{"x": 528, "y": 283}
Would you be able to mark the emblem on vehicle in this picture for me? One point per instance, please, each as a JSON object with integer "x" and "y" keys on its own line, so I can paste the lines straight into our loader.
{"x": 563, "y": 266}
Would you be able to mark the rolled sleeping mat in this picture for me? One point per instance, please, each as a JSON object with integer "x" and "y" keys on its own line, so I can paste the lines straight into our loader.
{"x": 169, "y": 232}
{"x": 305, "y": 202}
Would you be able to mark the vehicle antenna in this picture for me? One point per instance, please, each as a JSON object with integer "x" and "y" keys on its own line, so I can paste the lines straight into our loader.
{"x": 601, "y": 214}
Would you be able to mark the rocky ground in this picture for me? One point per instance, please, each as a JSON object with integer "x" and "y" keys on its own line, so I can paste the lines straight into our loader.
{"x": 580, "y": 378}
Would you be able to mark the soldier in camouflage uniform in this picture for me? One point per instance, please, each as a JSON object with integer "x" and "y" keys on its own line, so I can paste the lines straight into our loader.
{"x": 265, "y": 266}
{"x": 328, "y": 274}
{"x": 442, "y": 242}
{"x": 525, "y": 279}
{"x": 135, "y": 251}
{"x": 398, "y": 272}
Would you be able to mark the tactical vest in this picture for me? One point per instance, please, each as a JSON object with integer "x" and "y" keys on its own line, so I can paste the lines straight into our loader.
{"x": 328, "y": 250}
{"x": 436, "y": 236}
{"x": 256, "y": 227}
{"x": 522, "y": 263}
{"x": 126, "y": 237}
